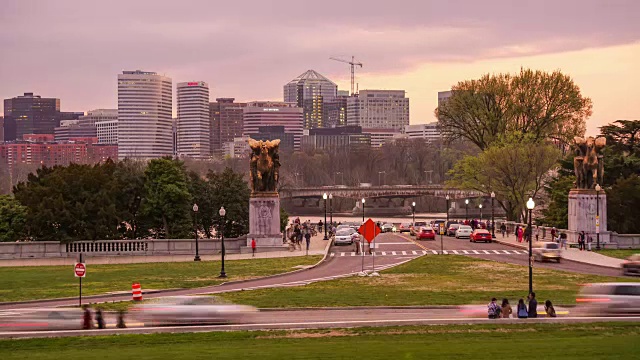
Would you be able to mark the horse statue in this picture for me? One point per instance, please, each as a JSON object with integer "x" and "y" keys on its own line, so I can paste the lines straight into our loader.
{"x": 588, "y": 164}
{"x": 264, "y": 165}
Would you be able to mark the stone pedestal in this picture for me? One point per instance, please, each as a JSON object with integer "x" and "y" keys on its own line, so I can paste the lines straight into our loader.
{"x": 264, "y": 220}
{"x": 583, "y": 209}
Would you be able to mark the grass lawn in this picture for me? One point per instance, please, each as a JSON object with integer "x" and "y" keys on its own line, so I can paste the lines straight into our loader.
{"x": 619, "y": 253}
{"x": 429, "y": 280}
{"x": 42, "y": 282}
{"x": 539, "y": 341}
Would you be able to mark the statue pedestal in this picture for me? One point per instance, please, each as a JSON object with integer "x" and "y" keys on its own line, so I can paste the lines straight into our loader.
{"x": 582, "y": 215}
{"x": 264, "y": 220}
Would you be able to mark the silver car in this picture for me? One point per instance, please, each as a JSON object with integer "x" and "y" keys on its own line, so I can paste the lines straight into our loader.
{"x": 610, "y": 299}
{"x": 464, "y": 231}
{"x": 344, "y": 236}
{"x": 190, "y": 310}
{"x": 544, "y": 251}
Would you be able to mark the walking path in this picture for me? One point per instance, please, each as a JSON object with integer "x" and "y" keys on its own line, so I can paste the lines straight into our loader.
{"x": 318, "y": 246}
{"x": 573, "y": 254}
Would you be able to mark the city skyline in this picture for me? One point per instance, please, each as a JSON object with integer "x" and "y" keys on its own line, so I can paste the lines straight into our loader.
{"x": 420, "y": 47}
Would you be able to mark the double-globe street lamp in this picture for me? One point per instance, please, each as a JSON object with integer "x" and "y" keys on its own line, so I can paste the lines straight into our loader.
{"x": 222, "y": 213}
{"x": 493, "y": 223}
{"x": 195, "y": 230}
{"x": 530, "y": 205}
{"x": 325, "y": 197}
{"x": 598, "y": 189}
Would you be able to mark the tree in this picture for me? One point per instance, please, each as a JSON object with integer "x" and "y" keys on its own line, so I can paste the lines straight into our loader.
{"x": 512, "y": 168}
{"x": 231, "y": 191}
{"x": 624, "y": 200}
{"x": 284, "y": 219}
{"x": 167, "y": 202}
{"x": 13, "y": 217}
{"x": 128, "y": 179}
{"x": 556, "y": 213}
{"x": 202, "y": 193}
{"x": 543, "y": 106}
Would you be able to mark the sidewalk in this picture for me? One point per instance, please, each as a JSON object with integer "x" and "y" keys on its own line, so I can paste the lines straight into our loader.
{"x": 317, "y": 247}
{"x": 573, "y": 254}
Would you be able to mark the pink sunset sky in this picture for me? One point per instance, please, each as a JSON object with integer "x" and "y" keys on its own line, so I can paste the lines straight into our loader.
{"x": 74, "y": 49}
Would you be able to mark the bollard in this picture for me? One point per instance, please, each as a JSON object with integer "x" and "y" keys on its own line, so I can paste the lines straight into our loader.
{"x": 137, "y": 292}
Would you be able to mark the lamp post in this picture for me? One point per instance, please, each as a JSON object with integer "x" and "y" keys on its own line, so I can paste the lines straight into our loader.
{"x": 362, "y": 242}
{"x": 493, "y": 223}
{"x": 324, "y": 196}
{"x": 380, "y": 173}
{"x": 530, "y": 205}
{"x": 222, "y": 213}
{"x": 195, "y": 230}
{"x": 480, "y": 206}
{"x": 413, "y": 212}
{"x": 466, "y": 209}
{"x": 331, "y": 209}
{"x": 363, "y": 210}
{"x": 598, "y": 189}
{"x": 447, "y": 198}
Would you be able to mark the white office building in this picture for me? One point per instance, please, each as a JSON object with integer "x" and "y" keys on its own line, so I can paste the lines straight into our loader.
{"x": 144, "y": 115}
{"x": 107, "y": 131}
{"x": 238, "y": 148}
{"x": 428, "y": 132}
{"x": 443, "y": 96}
{"x": 381, "y": 136}
{"x": 193, "y": 125}
{"x": 97, "y": 115}
{"x": 378, "y": 109}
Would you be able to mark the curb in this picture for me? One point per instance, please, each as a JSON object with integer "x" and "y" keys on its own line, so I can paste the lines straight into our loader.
{"x": 565, "y": 259}
{"x": 415, "y": 307}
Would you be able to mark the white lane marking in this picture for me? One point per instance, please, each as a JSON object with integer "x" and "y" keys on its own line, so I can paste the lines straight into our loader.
{"x": 393, "y": 253}
{"x": 455, "y": 252}
{"x": 445, "y": 252}
{"x": 341, "y": 254}
{"x": 496, "y": 251}
{"x": 434, "y": 252}
{"x": 476, "y": 252}
{"x": 486, "y": 252}
{"x": 506, "y": 251}
{"x": 333, "y": 254}
{"x": 404, "y": 253}
{"x": 465, "y": 251}
{"x": 414, "y": 252}
{"x": 353, "y": 253}
{"x": 384, "y": 253}
{"x": 394, "y": 243}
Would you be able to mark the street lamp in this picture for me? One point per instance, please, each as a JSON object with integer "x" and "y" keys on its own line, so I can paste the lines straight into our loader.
{"x": 598, "y": 189}
{"x": 530, "y": 205}
{"x": 363, "y": 210}
{"x": 447, "y": 198}
{"x": 480, "y": 206}
{"x": 413, "y": 212}
{"x": 493, "y": 223}
{"x": 380, "y": 173}
{"x": 222, "y": 213}
{"x": 324, "y": 196}
{"x": 195, "y": 229}
{"x": 330, "y": 209}
{"x": 466, "y": 209}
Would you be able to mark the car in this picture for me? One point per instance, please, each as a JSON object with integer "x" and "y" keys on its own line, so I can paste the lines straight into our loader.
{"x": 425, "y": 233}
{"x": 344, "y": 236}
{"x": 404, "y": 227}
{"x": 480, "y": 235}
{"x": 547, "y": 251}
{"x": 631, "y": 266}
{"x": 388, "y": 227}
{"x": 451, "y": 231}
{"x": 416, "y": 226}
{"x": 464, "y": 231}
{"x": 609, "y": 299}
{"x": 42, "y": 319}
{"x": 190, "y": 310}
{"x": 342, "y": 227}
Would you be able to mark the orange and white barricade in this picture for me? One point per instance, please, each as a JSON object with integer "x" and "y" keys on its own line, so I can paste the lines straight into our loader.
{"x": 137, "y": 291}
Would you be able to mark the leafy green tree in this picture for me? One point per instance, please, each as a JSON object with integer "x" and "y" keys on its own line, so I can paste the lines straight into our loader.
{"x": 128, "y": 181}
{"x": 546, "y": 106}
{"x": 13, "y": 217}
{"x": 556, "y": 213}
{"x": 231, "y": 191}
{"x": 624, "y": 201}
{"x": 167, "y": 203}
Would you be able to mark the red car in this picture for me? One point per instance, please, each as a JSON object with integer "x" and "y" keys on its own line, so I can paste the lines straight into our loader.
{"x": 480, "y": 235}
{"x": 425, "y": 233}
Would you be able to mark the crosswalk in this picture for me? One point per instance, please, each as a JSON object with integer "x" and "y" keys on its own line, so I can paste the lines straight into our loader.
{"x": 432, "y": 252}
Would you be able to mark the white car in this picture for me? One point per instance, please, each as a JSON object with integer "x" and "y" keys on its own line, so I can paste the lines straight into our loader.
{"x": 190, "y": 310}
{"x": 464, "y": 231}
{"x": 41, "y": 319}
{"x": 344, "y": 236}
{"x": 544, "y": 251}
{"x": 610, "y": 298}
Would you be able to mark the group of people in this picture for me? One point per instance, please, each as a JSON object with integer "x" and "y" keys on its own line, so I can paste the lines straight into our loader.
{"x": 584, "y": 241}
{"x": 302, "y": 230}
{"x": 476, "y": 224}
{"x": 87, "y": 319}
{"x": 505, "y": 310}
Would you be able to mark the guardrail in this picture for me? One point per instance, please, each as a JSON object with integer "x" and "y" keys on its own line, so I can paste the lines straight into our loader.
{"x": 107, "y": 246}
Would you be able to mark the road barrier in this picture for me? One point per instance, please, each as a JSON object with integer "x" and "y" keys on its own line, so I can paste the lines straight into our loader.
{"x": 137, "y": 292}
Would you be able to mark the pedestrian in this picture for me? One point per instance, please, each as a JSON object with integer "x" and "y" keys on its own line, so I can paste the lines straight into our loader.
{"x": 563, "y": 241}
{"x": 357, "y": 242}
{"x": 121, "y": 324}
{"x": 548, "y": 308}
{"x": 522, "y": 310}
{"x": 537, "y": 232}
{"x": 533, "y": 305}
{"x": 554, "y": 232}
{"x": 589, "y": 241}
{"x": 320, "y": 225}
{"x": 100, "y": 319}
{"x": 503, "y": 230}
{"x": 520, "y": 234}
{"x": 581, "y": 239}
{"x": 307, "y": 237}
{"x": 253, "y": 247}
{"x": 506, "y": 309}
{"x": 493, "y": 309}
{"x": 87, "y": 320}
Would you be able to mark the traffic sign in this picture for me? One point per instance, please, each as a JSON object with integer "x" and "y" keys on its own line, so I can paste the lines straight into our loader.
{"x": 80, "y": 270}
{"x": 441, "y": 229}
{"x": 369, "y": 230}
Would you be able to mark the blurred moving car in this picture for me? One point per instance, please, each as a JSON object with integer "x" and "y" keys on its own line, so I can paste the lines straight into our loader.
{"x": 426, "y": 233}
{"x": 404, "y": 227}
{"x": 543, "y": 251}
{"x": 610, "y": 299}
{"x": 416, "y": 226}
{"x": 480, "y": 235}
{"x": 451, "y": 231}
{"x": 388, "y": 227}
{"x": 41, "y": 319}
{"x": 190, "y": 310}
{"x": 344, "y": 236}
{"x": 464, "y": 231}
{"x": 631, "y": 266}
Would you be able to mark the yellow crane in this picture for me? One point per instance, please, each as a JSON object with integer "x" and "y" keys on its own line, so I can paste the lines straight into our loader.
{"x": 353, "y": 64}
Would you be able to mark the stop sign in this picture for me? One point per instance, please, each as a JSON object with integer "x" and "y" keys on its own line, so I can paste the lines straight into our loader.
{"x": 80, "y": 270}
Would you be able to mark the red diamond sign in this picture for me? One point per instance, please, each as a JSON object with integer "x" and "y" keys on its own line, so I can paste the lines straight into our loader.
{"x": 369, "y": 230}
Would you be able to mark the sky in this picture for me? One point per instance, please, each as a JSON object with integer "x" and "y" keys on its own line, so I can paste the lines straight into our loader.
{"x": 74, "y": 49}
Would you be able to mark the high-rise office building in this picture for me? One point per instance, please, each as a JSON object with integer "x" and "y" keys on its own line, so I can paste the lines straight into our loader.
{"x": 30, "y": 114}
{"x": 443, "y": 96}
{"x": 429, "y": 132}
{"x": 193, "y": 125}
{"x": 226, "y": 122}
{"x": 311, "y": 91}
{"x": 97, "y": 115}
{"x": 107, "y": 132}
{"x": 261, "y": 114}
{"x": 378, "y": 109}
{"x": 338, "y": 138}
{"x": 144, "y": 115}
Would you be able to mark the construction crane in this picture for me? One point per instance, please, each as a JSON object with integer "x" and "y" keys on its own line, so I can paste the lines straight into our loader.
{"x": 353, "y": 64}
